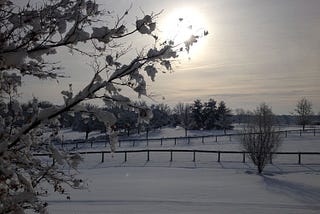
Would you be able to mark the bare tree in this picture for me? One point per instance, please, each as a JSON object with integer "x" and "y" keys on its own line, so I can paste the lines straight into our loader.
{"x": 260, "y": 138}
{"x": 183, "y": 112}
{"x": 304, "y": 112}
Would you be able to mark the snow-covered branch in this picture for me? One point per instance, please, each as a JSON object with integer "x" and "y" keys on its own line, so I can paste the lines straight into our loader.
{"x": 30, "y": 34}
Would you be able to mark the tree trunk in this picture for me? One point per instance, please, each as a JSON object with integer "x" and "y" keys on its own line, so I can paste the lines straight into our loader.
{"x": 87, "y": 136}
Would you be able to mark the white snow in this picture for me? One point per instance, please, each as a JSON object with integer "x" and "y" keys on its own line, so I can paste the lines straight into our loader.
{"x": 68, "y": 134}
{"x": 203, "y": 186}
{"x": 215, "y": 189}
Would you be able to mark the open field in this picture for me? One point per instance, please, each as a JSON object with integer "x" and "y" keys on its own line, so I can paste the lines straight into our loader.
{"x": 201, "y": 186}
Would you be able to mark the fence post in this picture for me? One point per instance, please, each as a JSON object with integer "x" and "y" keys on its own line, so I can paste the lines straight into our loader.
{"x": 218, "y": 156}
{"x": 202, "y": 140}
{"x": 125, "y": 157}
{"x": 133, "y": 142}
{"x": 194, "y": 156}
{"x": 299, "y": 158}
{"x": 188, "y": 140}
{"x": 161, "y": 141}
{"x": 314, "y": 132}
{"x": 91, "y": 143}
{"x": 148, "y": 155}
{"x": 243, "y": 157}
{"x": 171, "y": 155}
{"x": 230, "y": 137}
{"x": 300, "y": 132}
{"x": 102, "y": 157}
{"x": 76, "y": 144}
{"x": 119, "y": 143}
{"x": 175, "y": 141}
{"x": 286, "y": 134}
{"x": 216, "y": 138}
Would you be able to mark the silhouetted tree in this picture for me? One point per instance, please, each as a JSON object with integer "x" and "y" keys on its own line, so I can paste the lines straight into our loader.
{"x": 161, "y": 115}
{"x": 304, "y": 112}
{"x": 224, "y": 117}
{"x": 197, "y": 114}
{"x": 86, "y": 121}
{"x": 210, "y": 114}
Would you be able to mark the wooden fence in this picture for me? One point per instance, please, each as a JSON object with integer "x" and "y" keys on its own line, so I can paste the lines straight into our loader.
{"x": 175, "y": 140}
{"x": 193, "y": 152}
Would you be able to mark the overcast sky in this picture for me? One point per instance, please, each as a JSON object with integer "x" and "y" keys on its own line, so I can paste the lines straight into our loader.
{"x": 256, "y": 51}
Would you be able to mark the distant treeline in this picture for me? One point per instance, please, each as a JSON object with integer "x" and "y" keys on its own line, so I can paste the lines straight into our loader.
{"x": 280, "y": 119}
{"x": 196, "y": 116}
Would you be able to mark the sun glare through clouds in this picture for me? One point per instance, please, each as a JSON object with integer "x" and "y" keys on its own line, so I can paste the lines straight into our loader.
{"x": 181, "y": 23}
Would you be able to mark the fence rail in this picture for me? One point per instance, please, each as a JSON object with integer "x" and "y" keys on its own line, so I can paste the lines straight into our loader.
{"x": 175, "y": 140}
{"x": 194, "y": 152}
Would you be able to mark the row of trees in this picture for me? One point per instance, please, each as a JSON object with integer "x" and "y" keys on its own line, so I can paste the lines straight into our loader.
{"x": 207, "y": 115}
{"x": 196, "y": 116}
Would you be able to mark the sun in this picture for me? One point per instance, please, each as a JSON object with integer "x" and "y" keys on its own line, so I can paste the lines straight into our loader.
{"x": 181, "y": 23}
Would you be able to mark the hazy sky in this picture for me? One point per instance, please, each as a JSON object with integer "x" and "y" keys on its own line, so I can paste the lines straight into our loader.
{"x": 256, "y": 51}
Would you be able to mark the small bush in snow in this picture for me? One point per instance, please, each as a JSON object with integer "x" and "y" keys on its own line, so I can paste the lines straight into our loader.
{"x": 260, "y": 138}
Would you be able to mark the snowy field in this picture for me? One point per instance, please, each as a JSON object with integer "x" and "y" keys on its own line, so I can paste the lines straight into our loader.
{"x": 203, "y": 186}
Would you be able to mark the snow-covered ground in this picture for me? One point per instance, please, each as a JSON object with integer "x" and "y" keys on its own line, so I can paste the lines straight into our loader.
{"x": 216, "y": 189}
{"x": 203, "y": 186}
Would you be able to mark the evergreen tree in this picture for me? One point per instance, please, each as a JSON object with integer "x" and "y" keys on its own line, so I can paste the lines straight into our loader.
{"x": 210, "y": 114}
{"x": 197, "y": 114}
{"x": 224, "y": 117}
